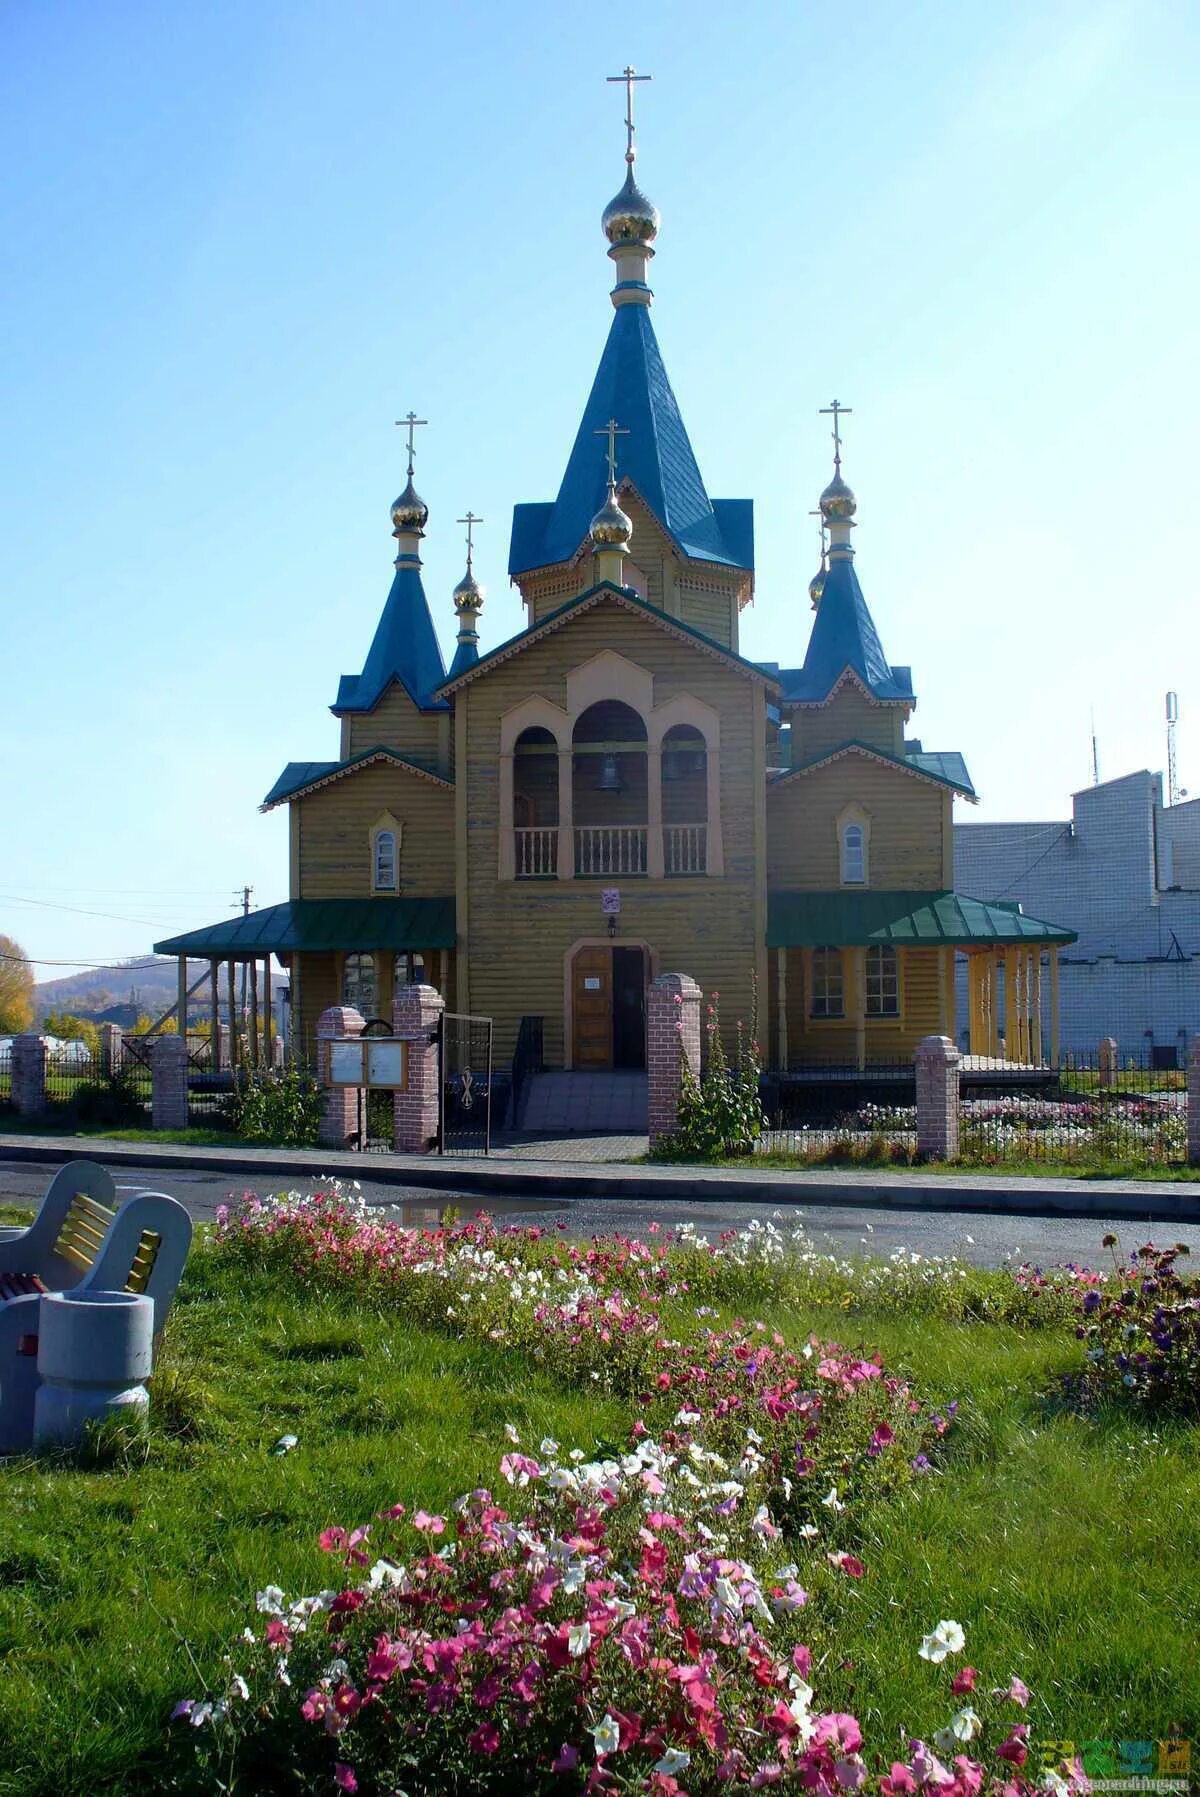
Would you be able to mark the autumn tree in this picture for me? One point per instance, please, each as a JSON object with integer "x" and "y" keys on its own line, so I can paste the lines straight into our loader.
{"x": 16, "y": 988}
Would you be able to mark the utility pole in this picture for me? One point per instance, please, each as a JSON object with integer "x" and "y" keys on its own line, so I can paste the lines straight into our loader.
{"x": 244, "y": 896}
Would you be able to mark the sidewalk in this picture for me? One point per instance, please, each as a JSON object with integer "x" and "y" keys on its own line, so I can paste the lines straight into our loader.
{"x": 268, "y": 1169}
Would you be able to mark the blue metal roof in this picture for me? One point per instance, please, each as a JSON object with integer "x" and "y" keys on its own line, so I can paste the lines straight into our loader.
{"x": 943, "y": 764}
{"x": 844, "y": 636}
{"x": 298, "y": 776}
{"x": 631, "y": 385}
{"x": 404, "y": 648}
{"x": 465, "y": 656}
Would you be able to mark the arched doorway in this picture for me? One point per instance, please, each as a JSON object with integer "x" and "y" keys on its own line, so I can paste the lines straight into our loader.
{"x": 604, "y": 993}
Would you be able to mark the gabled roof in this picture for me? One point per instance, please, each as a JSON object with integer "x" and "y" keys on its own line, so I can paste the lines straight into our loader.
{"x": 404, "y": 648}
{"x": 844, "y": 638}
{"x": 316, "y": 926}
{"x": 303, "y": 776}
{"x": 946, "y": 768}
{"x": 631, "y": 385}
{"x": 920, "y": 919}
{"x": 625, "y": 596}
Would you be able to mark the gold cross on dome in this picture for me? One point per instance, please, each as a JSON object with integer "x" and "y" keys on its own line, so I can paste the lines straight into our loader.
{"x": 629, "y": 76}
{"x": 409, "y": 422}
{"x": 836, "y": 408}
{"x": 470, "y": 521}
{"x": 612, "y": 430}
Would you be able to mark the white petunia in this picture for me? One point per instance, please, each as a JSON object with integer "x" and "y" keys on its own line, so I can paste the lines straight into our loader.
{"x": 675, "y": 1759}
{"x": 270, "y": 1601}
{"x": 607, "y": 1735}
{"x": 239, "y": 1687}
{"x": 548, "y": 1446}
{"x": 511, "y": 1433}
{"x": 947, "y": 1638}
{"x": 579, "y": 1639}
{"x": 832, "y": 1502}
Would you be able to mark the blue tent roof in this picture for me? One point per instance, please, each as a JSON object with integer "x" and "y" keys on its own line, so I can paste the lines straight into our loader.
{"x": 631, "y": 385}
{"x": 404, "y": 648}
{"x": 844, "y": 636}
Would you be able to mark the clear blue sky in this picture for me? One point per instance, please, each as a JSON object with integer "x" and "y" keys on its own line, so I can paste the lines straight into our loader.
{"x": 242, "y": 237}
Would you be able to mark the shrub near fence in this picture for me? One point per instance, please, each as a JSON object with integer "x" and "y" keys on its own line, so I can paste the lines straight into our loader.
{"x": 839, "y": 1114}
{"x": 1084, "y": 1113}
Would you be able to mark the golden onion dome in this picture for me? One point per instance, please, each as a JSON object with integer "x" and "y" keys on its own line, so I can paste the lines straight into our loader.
{"x": 468, "y": 594}
{"x": 409, "y": 512}
{"x": 630, "y": 217}
{"x": 611, "y": 527}
{"x": 816, "y": 586}
{"x": 837, "y": 502}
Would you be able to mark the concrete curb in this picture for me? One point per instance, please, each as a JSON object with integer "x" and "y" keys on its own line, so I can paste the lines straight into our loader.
{"x": 982, "y": 1193}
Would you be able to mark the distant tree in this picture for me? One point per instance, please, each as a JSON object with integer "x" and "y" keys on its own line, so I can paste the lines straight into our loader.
{"x": 73, "y": 1029}
{"x": 145, "y": 1024}
{"x": 16, "y": 988}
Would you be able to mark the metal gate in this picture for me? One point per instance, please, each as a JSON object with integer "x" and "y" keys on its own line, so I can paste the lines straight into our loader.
{"x": 465, "y": 1084}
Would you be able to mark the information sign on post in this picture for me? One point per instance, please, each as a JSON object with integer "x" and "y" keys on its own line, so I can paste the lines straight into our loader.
{"x": 346, "y": 1063}
{"x": 387, "y": 1063}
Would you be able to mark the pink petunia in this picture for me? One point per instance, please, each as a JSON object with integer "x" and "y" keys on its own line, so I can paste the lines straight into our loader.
{"x": 343, "y": 1776}
{"x": 964, "y": 1680}
{"x": 484, "y": 1739}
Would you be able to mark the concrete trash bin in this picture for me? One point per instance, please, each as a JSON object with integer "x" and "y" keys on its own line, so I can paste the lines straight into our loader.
{"x": 94, "y": 1356}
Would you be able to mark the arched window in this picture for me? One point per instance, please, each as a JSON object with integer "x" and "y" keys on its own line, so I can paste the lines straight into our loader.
{"x": 828, "y": 996}
{"x": 854, "y": 854}
{"x": 385, "y": 871}
{"x": 610, "y": 795}
{"x": 883, "y": 981}
{"x": 408, "y": 970}
{"x": 684, "y": 800}
{"x": 358, "y": 983}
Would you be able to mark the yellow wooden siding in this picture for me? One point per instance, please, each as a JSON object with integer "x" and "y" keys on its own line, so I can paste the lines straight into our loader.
{"x": 848, "y": 717}
{"x": 819, "y": 1041}
{"x": 905, "y": 847}
{"x": 335, "y": 834}
{"x": 395, "y": 723}
{"x": 710, "y": 612}
{"x": 520, "y": 931}
{"x": 318, "y": 980}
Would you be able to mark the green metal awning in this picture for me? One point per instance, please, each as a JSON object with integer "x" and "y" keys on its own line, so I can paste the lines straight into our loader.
{"x": 920, "y": 919}
{"x": 315, "y": 926}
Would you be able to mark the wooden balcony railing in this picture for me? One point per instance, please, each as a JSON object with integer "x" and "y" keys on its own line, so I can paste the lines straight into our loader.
{"x": 685, "y": 849}
{"x": 537, "y": 853}
{"x": 610, "y": 849}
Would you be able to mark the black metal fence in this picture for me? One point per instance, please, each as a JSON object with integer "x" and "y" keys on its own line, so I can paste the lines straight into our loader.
{"x": 1093, "y": 1110}
{"x": 837, "y": 1113}
{"x": 5, "y": 1076}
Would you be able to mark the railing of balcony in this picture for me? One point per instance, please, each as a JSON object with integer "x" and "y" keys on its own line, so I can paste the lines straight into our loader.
{"x": 610, "y": 849}
{"x": 685, "y": 848}
{"x": 537, "y": 853}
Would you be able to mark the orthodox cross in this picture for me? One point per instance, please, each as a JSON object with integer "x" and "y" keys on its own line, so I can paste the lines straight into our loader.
{"x": 629, "y": 76}
{"x": 612, "y": 430}
{"x": 409, "y": 422}
{"x": 470, "y": 521}
{"x": 836, "y": 408}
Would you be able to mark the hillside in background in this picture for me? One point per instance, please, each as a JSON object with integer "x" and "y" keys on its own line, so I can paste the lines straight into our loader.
{"x": 147, "y": 986}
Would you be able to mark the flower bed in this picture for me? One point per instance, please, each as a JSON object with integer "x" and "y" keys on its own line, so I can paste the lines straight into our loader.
{"x": 628, "y": 1619}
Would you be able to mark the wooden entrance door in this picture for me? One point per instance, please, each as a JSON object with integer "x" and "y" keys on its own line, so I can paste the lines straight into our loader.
{"x": 592, "y": 1008}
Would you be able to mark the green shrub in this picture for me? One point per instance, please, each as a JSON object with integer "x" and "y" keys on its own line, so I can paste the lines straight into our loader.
{"x": 277, "y": 1107}
{"x": 721, "y": 1113}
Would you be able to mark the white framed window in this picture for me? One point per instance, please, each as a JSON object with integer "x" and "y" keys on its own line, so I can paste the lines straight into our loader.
{"x": 883, "y": 981}
{"x": 828, "y": 995}
{"x": 358, "y": 983}
{"x": 408, "y": 970}
{"x": 385, "y": 870}
{"x": 854, "y": 854}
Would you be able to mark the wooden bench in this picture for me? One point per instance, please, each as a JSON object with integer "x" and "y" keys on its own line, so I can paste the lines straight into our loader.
{"x": 80, "y": 1240}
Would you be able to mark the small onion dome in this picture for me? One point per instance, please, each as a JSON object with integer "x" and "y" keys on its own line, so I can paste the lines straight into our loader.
{"x": 410, "y": 511}
{"x": 630, "y": 217}
{"x": 468, "y": 594}
{"x": 611, "y": 527}
{"x": 837, "y": 502}
{"x": 816, "y": 586}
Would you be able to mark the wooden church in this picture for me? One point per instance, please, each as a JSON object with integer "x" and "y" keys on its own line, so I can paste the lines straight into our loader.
{"x": 617, "y": 791}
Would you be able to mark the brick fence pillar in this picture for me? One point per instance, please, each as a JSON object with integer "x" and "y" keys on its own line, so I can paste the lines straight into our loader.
{"x": 1109, "y": 1060}
{"x": 112, "y": 1047}
{"x": 339, "y": 1104}
{"x": 29, "y": 1074}
{"x": 168, "y": 1083}
{"x": 937, "y": 1062}
{"x": 416, "y": 1012}
{"x": 1193, "y": 1102}
{"x": 672, "y": 1044}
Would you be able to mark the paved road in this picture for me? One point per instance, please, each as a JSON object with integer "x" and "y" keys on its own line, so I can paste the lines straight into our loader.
{"x": 849, "y": 1228}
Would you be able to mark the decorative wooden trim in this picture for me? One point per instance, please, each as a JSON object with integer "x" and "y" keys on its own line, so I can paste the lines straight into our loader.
{"x": 853, "y": 813}
{"x": 884, "y": 760}
{"x": 848, "y": 676}
{"x": 361, "y": 761}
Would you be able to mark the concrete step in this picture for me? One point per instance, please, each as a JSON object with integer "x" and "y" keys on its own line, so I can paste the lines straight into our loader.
{"x": 585, "y": 1104}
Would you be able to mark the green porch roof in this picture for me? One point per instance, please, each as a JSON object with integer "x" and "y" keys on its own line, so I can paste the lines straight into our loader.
{"x": 927, "y": 919}
{"x": 315, "y": 926}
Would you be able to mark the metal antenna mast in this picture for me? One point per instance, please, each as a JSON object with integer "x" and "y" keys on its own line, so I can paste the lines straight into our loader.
{"x": 1173, "y": 793}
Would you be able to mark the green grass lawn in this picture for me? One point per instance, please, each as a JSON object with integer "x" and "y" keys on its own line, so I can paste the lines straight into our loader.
{"x": 1067, "y": 1548}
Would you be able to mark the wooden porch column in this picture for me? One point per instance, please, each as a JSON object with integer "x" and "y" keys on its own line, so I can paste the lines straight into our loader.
{"x": 295, "y": 1021}
{"x": 858, "y": 961}
{"x": 948, "y": 996}
{"x": 993, "y": 995}
{"x": 254, "y": 1060}
{"x": 1022, "y": 970}
{"x": 1035, "y": 974}
{"x": 655, "y": 857}
{"x": 1054, "y": 1007}
{"x": 214, "y": 1012}
{"x": 268, "y": 1055}
{"x": 781, "y": 1029}
{"x": 566, "y": 813}
{"x": 234, "y": 1032}
{"x": 181, "y": 1000}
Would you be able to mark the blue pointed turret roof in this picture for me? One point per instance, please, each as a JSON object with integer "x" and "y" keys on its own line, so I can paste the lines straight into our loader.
{"x": 844, "y": 637}
{"x": 404, "y": 648}
{"x": 631, "y": 385}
